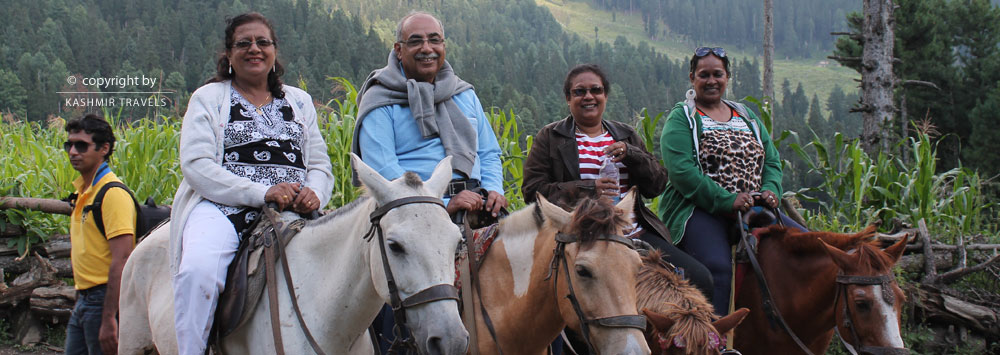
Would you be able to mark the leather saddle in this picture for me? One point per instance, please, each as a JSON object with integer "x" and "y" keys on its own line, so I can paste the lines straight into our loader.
{"x": 245, "y": 279}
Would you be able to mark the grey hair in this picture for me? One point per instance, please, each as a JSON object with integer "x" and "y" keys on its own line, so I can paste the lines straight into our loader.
{"x": 399, "y": 26}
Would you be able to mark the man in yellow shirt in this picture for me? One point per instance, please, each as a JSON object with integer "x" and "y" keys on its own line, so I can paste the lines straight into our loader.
{"x": 97, "y": 258}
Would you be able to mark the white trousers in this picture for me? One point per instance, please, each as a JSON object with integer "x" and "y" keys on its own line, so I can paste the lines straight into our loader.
{"x": 209, "y": 245}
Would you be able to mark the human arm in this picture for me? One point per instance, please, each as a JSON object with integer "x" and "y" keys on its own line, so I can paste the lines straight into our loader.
{"x": 200, "y": 151}
{"x": 771, "y": 173}
{"x": 684, "y": 173}
{"x": 377, "y": 143}
{"x": 319, "y": 173}
{"x": 542, "y": 168}
{"x": 119, "y": 216}
{"x": 490, "y": 164}
{"x": 644, "y": 169}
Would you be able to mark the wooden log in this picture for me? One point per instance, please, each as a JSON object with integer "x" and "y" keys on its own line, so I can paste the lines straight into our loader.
{"x": 13, "y": 266}
{"x": 937, "y": 304}
{"x": 929, "y": 270}
{"x": 56, "y": 302}
{"x": 46, "y": 205}
{"x": 57, "y": 247}
{"x": 41, "y": 274}
{"x": 11, "y": 230}
{"x": 954, "y": 275}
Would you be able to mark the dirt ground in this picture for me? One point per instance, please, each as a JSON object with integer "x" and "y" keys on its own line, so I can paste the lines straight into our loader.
{"x": 36, "y": 350}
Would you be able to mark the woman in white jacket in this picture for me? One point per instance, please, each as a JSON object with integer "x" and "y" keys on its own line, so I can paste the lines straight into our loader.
{"x": 246, "y": 140}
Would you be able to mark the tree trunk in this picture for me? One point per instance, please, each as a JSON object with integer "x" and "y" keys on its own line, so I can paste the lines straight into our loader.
{"x": 876, "y": 76}
{"x": 769, "y": 49}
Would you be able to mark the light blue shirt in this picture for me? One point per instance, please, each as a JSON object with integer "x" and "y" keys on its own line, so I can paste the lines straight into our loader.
{"x": 391, "y": 143}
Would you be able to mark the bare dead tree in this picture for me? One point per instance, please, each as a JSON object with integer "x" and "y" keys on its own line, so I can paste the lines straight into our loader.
{"x": 769, "y": 49}
{"x": 877, "y": 79}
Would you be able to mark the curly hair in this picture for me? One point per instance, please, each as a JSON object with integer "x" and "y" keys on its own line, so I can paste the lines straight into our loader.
{"x": 98, "y": 129}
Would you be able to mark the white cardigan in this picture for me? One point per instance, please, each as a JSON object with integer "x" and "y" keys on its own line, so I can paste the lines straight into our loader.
{"x": 201, "y": 154}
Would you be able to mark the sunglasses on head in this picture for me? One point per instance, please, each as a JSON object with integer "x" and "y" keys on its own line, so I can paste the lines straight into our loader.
{"x": 81, "y": 146}
{"x": 596, "y": 90}
{"x": 261, "y": 42}
{"x": 703, "y": 51}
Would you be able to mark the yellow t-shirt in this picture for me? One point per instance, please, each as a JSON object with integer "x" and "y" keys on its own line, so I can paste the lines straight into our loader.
{"x": 91, "y": 253}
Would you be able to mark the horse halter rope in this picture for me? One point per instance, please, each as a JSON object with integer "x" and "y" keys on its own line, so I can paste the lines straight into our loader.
{"x": 625, "y": 321}
{"x": 427, "y": 295}
{"x": 885, "y": 281}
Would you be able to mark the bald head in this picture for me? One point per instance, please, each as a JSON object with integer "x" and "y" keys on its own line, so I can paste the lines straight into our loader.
{"x": 402, "y": 22}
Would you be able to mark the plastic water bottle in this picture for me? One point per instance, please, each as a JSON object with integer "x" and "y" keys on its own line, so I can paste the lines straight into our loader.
{"x": 610, "y": 170}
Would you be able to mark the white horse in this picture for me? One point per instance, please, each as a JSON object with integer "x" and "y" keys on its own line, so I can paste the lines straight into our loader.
{"x": 339, "y": 278}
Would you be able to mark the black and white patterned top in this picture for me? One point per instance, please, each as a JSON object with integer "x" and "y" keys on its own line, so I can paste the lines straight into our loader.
{"x": 263, "y": 145}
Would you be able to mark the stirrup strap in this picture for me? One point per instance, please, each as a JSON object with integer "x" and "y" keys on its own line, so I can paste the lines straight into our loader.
{"x": 272, "y": 296}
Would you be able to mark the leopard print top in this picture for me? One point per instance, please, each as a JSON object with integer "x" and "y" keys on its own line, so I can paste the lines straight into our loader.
{"x": 730, "y": 154}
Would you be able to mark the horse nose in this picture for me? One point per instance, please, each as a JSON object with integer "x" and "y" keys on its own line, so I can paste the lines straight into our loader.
{"x": 437, "y": 345}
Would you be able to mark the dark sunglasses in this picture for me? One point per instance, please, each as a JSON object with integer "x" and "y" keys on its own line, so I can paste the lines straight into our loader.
{"x": 596, "y": 90}
{"x": 417, "y": 42}
{"x": 261, "y": 42}
{"x": 703, "y": 51}
{"x": 81, "y": 146}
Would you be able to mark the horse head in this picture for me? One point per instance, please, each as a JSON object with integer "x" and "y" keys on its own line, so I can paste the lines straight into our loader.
{"x": 868, "y": 300}
{"x": 598, "y": 300}
{"x": 419, "y": 247}
{"x": 667, "y": 341}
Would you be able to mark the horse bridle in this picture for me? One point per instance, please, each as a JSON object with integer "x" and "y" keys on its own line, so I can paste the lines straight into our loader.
{"x": 427, "y": 295}
{"x": 885, "y": 281}
{"x": 637, "y": 321}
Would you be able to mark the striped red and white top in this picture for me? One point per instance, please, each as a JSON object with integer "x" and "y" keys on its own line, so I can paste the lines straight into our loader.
{"x": 591, "y": 151}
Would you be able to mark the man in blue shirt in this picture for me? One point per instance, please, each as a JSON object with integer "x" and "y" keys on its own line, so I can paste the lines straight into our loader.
{"x": 415, "y": 111}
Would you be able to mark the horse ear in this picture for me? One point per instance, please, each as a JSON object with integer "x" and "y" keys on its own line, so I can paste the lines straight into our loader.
{"x": 660, "y": 322}
{"x": 727, "y": 323}
{"x": 841, "y": 258}
{"x": 440, "y": 177}
{"x": 368, "y": 176}
{"x": 896, "y": 250}
{"x": 558, "y": 216}
{"x": 627, "y": 204}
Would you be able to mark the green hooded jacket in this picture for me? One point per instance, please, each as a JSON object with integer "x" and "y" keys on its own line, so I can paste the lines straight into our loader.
{"x": 687, "y": 185}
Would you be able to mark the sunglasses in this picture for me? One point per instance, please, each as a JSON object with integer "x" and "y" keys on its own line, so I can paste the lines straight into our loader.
{"x": 596, "y": 90}
{"x": 703, "y": 51}
{"x": 261, "y": 42}
{"x": 417, "y": 42}
{"x": 81, "y": 146}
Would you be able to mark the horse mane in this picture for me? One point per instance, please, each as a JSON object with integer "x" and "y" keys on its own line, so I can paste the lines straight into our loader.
{"x": 341, "y": 210}
{"x": 594, "y": 218}
{"x": 522, "y": 221}
{"x": 870, "y": 256}
{"x": 661, "y": 290}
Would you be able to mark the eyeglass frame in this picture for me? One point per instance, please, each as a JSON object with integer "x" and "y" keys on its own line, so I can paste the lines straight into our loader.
{"x": 703, "y": 51}
{"x": 416, "y": 42}
{"x": 581, "y": 92}
{"x": 67, "y": 145}
{"x": 260, "y": 42}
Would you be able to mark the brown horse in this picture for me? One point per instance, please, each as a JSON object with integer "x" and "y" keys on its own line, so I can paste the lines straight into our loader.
{"x": 680, "y": 315}
{"x": 518, "y": 273}
{"x": 818, "y": 281}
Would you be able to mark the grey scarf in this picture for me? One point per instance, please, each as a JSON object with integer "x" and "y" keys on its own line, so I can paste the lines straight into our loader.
{"x": 430, "y": 104}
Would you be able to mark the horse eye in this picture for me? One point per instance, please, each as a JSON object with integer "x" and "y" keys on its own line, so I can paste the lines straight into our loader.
{"x": 863, "y": 305}
{"x": 582, "y": 271}
{"x": 396, "y": 247}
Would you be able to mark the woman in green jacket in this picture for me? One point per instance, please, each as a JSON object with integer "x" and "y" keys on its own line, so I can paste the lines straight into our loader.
{"x": 720, "y": 160}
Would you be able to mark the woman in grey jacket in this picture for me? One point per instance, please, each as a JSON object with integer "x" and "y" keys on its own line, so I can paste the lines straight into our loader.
{"x": 246, "y": 140}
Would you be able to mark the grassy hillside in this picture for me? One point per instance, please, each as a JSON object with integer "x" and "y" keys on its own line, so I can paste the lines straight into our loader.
{"x": 581, "y": 18}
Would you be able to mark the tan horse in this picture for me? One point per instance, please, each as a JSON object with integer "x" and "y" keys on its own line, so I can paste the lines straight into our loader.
{"x": 517, "y": 276}
{"x": 682, "y": 319}
{"x": 812, "y": 277}
{"x": 339, "y": 278}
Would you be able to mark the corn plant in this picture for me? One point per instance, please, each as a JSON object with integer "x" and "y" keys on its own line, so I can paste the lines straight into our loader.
{"x": 337, "y": 125}
{"x": 513, "y": 156}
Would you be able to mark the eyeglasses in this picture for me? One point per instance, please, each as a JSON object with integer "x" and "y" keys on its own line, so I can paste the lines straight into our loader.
{"x": 261, "y": 42}
{"x": 417, "y": 42}
{"x": 596, "y": 90}
{"x": 81, "y": 146}
{"x": 703, "y": 51}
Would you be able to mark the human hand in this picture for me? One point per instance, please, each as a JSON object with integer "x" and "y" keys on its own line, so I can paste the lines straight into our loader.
{"x": 465, "y": 200}
{"x": 108, "y": 336}
{"x": 306, "y": 201}
{"x": 607, "y": 187}
{"x": 616, "y": 151}
{"x": 743, "y": 202}
{"x": 494, "y": 202}
{"x": 282, "y": 194}
{"x": 767, "y": 198}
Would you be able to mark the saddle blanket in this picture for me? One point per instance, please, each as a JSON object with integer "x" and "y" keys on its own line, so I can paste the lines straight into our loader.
{"x": 482, "y": 239}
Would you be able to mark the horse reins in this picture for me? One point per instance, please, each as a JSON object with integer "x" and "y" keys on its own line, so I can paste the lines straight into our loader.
{"x": 427, "y": 295}
{"x": 882, "y": 280}
{"x": 767, "y": 301}
{"x": 623, "y": 321}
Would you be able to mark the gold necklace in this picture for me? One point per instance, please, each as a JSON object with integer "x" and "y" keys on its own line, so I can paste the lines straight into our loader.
{"x": 256, "y": 107}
